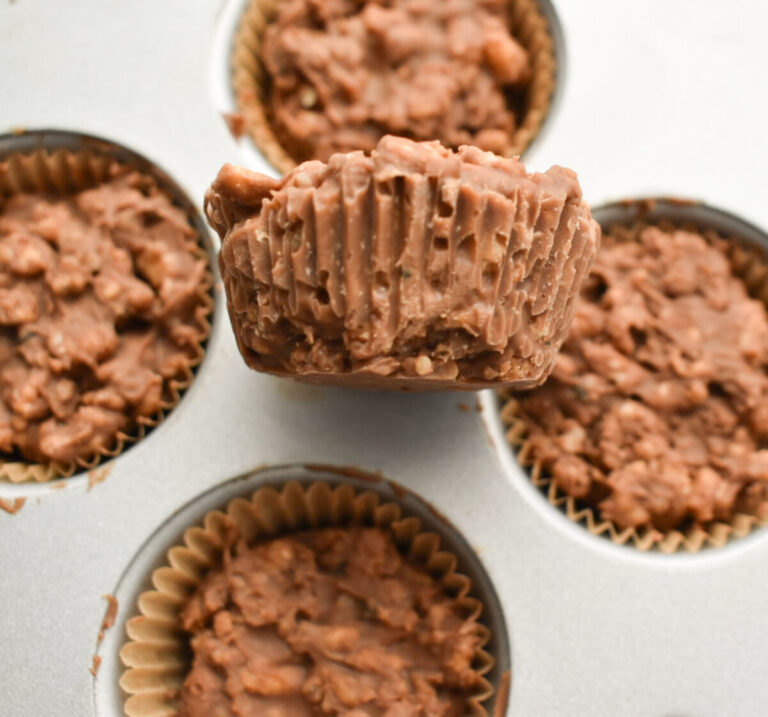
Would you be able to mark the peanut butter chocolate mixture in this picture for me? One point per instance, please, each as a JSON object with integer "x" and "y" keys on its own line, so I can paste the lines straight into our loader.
{"x": 434, "y": 268}
{"x": 98, "y": 298}
{"x": 343, "y": 73}
{"x": 327, "y": 622}
{"x": 657, "y": 410}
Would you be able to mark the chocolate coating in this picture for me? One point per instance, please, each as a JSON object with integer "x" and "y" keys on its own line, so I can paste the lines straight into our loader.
{"x": 327, "y": 622}
{"x": 343, "y": 73}
{"x": 414, "y": 266}
{"x": 99, "y": 294}
{"x": 657, "y": 411}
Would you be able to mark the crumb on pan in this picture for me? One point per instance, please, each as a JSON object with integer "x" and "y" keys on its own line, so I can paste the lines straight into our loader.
{"x": 12, "y": 506}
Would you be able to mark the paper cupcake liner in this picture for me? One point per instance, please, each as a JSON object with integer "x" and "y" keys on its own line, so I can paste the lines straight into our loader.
{"x": 320, "y": 296}
{"x": 64, "y": 171}
{"x": 529, "y": 25}
{"x": 248, "y": 75}
{"x": 156, "y": 655}
{"x": 751, "y": 266}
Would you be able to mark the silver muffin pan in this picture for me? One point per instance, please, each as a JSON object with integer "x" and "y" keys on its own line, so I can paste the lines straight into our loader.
{"x": 662, "y": 103}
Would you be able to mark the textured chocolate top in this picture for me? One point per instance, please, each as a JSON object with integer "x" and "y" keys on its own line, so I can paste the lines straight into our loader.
{"x": 657, "y": 411}
{"x": 98, "y": 298}
{"x": 415, "y": 265}
{"x": 329, "y": 622}
{"x": 343, "y": 73}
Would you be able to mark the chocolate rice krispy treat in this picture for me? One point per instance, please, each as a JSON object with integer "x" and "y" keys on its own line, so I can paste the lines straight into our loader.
{"x": 102, "y": 304}
{"x": 656, "y": 414}
{"x": 316, "y": 77}
{"x": 310, "y": 598}
{"x": 414, "y": 267}
{"x": 327, "y": 622}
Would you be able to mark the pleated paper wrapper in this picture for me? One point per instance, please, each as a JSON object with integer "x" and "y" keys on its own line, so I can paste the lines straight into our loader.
{"x": 528, "y": 24}
{"x": 63, "y": 171}
{"x": 457, "y": 286}
{"x": 751, "y": 266}
{"x": 156, "y": 655}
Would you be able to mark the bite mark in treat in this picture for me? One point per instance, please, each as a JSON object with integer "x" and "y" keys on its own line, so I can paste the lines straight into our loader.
{"x": 414, "y": 267}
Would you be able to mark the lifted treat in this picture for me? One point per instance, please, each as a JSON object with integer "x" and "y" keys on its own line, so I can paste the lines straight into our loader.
{"x": 413, "y": 267}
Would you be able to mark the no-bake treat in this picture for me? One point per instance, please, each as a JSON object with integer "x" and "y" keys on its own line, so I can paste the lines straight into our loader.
{"x": 327, "y": 622}
{"x": 656, "y": 414}
{"x": 103, "y": 299}
{"x": 307, "y": 600}
{"x": 316, "y": 77}
{"x": 414, "y": 267}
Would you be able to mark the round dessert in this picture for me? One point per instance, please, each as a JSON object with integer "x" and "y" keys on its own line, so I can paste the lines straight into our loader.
{"x": 318, "y": 77}
{"x": 103, "y": 306}
{"x": 327, "y": 622}
{"x": 312, "y": 599}
{"x": 412, "y": 267}
{"x": 656, "y": 414}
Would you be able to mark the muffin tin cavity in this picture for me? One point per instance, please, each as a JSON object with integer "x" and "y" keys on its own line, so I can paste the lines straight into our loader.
{"x": 746, "y": 250}
{"x": 239, "y": 78}
{"x": 121, "y": 262}
{"x": 290, "y": 481}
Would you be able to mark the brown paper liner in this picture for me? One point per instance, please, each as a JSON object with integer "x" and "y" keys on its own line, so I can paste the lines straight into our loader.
{"x": 529, "y": 25}
{"x": 64, "y": 171}
{"x": 751, "y": 266}
{"x": 156, "y": 654}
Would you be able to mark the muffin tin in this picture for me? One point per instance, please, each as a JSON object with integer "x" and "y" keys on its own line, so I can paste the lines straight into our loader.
{"x": 594, "y": 629}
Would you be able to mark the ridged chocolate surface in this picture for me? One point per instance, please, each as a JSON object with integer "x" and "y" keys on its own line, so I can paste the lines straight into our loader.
{"x": 414, "y": 266}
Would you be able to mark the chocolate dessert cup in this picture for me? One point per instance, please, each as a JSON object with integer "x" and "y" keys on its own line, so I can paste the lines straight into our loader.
{"x": 49, "y": 171}
{"x": 746, "y": 250}
{"x": 529, "y": 25}
{"x": 412, "y": 268}
{"x": 157, "y": 654}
